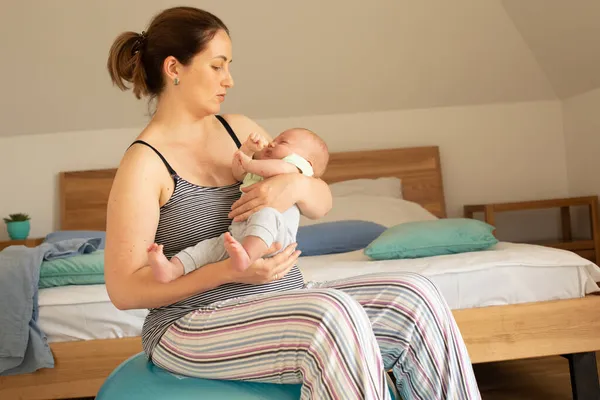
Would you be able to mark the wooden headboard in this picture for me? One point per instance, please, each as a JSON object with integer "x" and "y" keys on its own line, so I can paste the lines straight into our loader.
{"x": 84, "y": 194}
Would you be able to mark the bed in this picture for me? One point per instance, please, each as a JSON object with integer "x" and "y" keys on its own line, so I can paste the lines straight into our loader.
{"x": 89, "y": 337}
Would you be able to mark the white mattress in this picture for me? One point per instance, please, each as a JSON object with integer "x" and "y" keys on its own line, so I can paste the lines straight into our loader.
{"x": 507, "y": 274}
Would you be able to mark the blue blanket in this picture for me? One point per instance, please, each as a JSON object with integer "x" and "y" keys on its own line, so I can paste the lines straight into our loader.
{"x": 23, "y": 346}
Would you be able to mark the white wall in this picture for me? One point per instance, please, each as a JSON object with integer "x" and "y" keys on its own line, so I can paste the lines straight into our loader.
{"x": 350, "y": 56}
{"x": 582, "y": 144}
{"x": 502, "y": 152}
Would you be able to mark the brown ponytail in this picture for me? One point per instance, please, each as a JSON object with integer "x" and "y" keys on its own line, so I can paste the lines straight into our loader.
{"x": 181, "y": 32}
{"x": 125, "y": 63}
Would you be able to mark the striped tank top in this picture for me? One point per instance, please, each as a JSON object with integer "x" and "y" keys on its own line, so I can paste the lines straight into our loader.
{"x": 192, "y": 214}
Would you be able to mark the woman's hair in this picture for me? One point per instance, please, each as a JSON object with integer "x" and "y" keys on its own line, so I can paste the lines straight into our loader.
{"x": 181, "y": 32}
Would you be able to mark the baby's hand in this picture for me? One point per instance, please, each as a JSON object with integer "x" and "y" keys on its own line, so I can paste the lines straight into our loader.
{"x": 245, "y": 159}
{"x": 241, "y": 159}
{"x": 256, "y": 142}
{"x": 237, "y": 160}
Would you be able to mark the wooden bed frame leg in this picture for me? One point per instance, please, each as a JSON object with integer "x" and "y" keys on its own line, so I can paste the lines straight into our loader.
{"x": 584, "y": 376}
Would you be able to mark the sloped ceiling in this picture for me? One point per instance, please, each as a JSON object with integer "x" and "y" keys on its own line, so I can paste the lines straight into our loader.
{"x": 291, "y": 58}
{"x": 564, "y": 36}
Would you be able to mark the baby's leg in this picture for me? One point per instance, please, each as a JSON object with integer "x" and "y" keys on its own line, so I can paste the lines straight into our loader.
{"x": 251, "y": 239}
{"x": 163, "y": 270}
{"x": 205, "y": 252}
{"x": 243, "y": 254}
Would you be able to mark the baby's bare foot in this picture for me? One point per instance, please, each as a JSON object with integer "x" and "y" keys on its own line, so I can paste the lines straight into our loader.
{"x": 163, "y": 270}
{"x": 238, "y": 255}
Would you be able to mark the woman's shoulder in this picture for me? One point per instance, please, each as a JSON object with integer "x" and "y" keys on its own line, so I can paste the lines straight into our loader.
{"x": 139, "y": 156}
{"x": 139, "y": 162}
{"x": 141, "y": 175}
{"x": 243, "y": 126}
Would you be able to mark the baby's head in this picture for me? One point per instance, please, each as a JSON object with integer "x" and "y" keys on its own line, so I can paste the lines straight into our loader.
{"x": 303, "y": 142}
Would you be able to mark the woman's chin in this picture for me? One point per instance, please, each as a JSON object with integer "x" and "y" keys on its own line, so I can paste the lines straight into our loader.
{"x": 215, "y": 108}
{"x": 209, "y": 109}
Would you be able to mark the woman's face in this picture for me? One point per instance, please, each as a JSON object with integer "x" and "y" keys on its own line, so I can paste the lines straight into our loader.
{"x": 205, "y": 81}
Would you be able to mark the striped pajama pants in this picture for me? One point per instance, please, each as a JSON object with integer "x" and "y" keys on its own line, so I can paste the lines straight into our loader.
{"x": 337, "y": 338}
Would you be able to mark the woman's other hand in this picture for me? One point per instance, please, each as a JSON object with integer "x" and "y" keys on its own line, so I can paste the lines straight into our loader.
{"x": 265, "y": 270}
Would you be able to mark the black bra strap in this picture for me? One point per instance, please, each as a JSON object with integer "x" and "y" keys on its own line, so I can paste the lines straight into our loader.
{"x": 171, "y": 170}
{"x": 230, "y": 131}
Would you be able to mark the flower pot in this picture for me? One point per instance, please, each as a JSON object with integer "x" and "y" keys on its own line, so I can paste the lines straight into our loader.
{"x": 18, "y": 230}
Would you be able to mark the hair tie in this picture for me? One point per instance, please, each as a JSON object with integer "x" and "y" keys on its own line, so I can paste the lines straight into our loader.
{"x": 139, "y": 42}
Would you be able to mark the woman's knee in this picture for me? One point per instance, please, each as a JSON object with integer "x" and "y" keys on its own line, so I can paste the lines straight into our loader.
{"x": 417, "y": 296}
{"x": 425, "y": 285}
{"x": 337, "y": 307}
{"x": 417, "y": 286}
{"x": 411, "y": 294}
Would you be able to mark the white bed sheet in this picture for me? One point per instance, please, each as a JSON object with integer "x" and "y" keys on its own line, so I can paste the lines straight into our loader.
{"x": 85, "y": 313}
{"x": 506, "y": 274}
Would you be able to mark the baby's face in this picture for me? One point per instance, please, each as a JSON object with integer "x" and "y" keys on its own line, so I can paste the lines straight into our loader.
{"x": 286, "y": 143}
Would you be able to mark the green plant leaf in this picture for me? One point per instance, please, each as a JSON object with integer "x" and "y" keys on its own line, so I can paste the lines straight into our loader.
{"x": 17, "y": 217}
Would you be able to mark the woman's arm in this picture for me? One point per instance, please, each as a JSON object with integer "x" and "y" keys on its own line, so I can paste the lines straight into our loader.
{"x": 312, "y": 195}
{"x": 132, "y": 218}
{"x": 315, "y": 199}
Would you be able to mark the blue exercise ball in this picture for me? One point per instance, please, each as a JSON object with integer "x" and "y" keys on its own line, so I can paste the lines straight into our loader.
{"x": 139, "y": 379}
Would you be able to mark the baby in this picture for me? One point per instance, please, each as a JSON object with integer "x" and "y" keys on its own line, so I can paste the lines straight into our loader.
{"x": 295, "y": 150}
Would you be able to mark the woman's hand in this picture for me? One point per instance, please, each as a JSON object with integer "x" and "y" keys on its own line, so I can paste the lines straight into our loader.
{"x": 265, "y": 270}
{"x": 279, "y": 192}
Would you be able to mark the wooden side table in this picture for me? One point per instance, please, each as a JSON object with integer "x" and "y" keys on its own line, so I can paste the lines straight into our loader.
{"x": 31, "y": 242}
{"x": 588, "y": 248}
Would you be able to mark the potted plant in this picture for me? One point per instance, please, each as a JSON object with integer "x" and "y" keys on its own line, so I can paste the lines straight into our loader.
{"x": 18, "y": 226}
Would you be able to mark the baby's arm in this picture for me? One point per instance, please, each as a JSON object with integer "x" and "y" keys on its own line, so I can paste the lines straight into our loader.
{"x": 264, "y": 168}
{"x": 253, "y": 144}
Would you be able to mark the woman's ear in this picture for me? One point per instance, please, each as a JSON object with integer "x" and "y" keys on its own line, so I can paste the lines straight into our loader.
{"x": 171, "y": 68}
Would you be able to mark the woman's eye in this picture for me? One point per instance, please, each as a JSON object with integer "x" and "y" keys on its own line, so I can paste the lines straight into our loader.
{"x": 217, "y": 68}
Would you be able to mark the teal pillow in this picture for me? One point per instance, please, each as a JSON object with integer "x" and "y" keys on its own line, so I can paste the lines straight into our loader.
{"x": 82, "y": 269}
{"x": 432, "y": 238}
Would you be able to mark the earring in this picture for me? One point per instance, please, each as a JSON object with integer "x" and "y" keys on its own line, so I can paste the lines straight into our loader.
{"x": 176, "y": 81}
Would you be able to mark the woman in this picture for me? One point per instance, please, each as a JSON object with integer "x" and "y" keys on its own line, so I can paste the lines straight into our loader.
{"x": 175, "y": 186}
